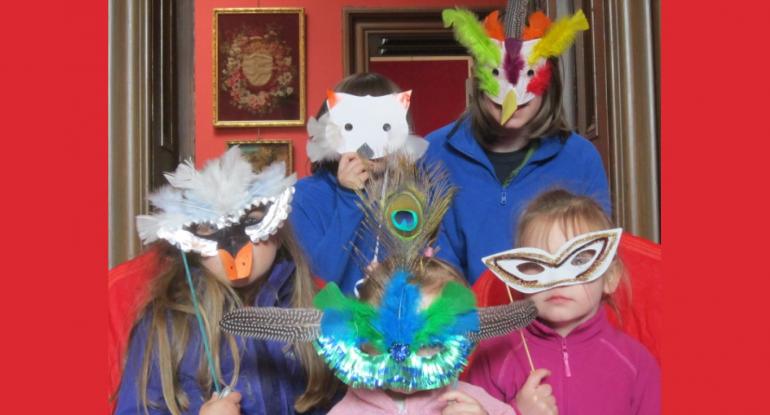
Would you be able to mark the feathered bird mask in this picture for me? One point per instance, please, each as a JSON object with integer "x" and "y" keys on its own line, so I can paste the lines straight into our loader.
{"x": 221, "y": 210}
{"x": 395, "y": 345}
{"x": 513, "y": 70}
{"x": 580, "y": 260}
{"x": 370, "y": 126}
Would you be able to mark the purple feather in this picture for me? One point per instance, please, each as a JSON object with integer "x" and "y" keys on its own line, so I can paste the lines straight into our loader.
{"x": 513, "y": 63}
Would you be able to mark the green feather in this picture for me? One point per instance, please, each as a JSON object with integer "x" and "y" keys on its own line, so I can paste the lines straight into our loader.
{"x": 455, "y": 299}
{"x": 487, "y": 82}
{"x": 362, "y": 315}
{"x": 471, "y": 34}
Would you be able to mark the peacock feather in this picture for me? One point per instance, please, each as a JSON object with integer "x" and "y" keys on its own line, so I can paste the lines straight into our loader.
{"x": 404, "y": 209}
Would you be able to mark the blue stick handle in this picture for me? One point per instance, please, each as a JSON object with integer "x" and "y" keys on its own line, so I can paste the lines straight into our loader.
{"x": 204, "y": 336}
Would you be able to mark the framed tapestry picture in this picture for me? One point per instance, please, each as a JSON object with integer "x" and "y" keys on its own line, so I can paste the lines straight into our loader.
{"x": 262, "y": 153}
{"x": 259, "y": 67}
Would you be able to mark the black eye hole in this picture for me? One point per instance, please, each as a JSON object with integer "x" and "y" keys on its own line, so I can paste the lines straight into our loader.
{"x": 202, "y": 229}
{"x": 495, "y": 72}
{"x": 583, "y": 257}
{"x": 530, "y": 268}
{"x": 531, "y": 73}
{"x": 386, "y": 127}
{"x": 348, "y": 127}
{"x": 255, "y": 216}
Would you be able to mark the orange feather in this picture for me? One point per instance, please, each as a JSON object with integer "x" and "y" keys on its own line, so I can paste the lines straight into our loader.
{"x": 493, "y": 27}
{"x": 538, "y": 24}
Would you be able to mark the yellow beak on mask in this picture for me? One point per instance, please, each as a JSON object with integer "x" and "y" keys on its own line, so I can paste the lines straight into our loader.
{"x": 509, "y": 107}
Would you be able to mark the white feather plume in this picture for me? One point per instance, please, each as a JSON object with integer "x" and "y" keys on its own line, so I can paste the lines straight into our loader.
{"x": 218, "y": 194}
{"x": 323, "y": 139}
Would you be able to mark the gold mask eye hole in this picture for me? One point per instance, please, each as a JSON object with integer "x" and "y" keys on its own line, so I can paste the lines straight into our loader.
{"x": 583, "y": 257}
{"x": 530, "y": 268}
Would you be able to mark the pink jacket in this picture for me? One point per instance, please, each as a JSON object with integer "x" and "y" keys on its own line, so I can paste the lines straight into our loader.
{"x": 377, "y": 402}
{"x": 595, "y": 370}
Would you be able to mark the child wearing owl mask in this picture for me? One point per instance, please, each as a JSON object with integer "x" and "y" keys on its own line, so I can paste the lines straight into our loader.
{"x": 571, "y": 359}
{"x": 361, "y": 123}
{"x": 225, "y": 243}
{"x": 513, "y": 142}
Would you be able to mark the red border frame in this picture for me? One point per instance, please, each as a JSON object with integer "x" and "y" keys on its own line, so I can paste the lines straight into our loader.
{"x": 54, "y": 87}
{"x": 714, "y": 222}
{"x": 714, "y": 175}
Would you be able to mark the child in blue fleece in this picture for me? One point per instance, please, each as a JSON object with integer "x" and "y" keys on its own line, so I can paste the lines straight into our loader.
{"x": 512, "y": 144}
{"x": 324, "y": 213}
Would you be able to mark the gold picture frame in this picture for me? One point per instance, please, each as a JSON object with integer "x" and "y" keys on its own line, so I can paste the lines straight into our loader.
{"x": 258, "y": 67}
{"x": 262, "y": 153}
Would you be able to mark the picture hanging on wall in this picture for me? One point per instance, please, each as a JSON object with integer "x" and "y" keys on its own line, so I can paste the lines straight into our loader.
{"x": 259, "y": 67}
{"x": 262, "y": 153}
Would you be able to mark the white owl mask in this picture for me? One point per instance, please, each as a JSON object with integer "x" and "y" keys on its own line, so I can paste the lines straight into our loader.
{"x": 580, "y": 260}
{"x": 371, "y": 126}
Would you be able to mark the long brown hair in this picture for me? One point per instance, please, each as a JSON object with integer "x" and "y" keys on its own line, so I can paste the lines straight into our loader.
{"x": 170, "y": 312}
{"x": 548, "y": 121}
{"x": 572, "y": 215}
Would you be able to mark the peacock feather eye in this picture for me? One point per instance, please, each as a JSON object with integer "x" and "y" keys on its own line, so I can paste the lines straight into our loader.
{"x": 405, "y": 215}
{"x": 404, "y": 220}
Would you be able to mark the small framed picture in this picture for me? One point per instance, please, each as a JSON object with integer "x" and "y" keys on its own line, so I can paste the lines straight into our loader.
{"x": 259, "y": 67}
{"x": 262, "y": 153}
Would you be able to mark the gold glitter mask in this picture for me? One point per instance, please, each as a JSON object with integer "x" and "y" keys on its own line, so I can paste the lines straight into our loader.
{"x": 582, "y": 259}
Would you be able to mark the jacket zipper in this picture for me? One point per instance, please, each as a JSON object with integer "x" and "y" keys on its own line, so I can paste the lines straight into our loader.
{"x": 565, "y": 355}
{"x": 514, "y": 174}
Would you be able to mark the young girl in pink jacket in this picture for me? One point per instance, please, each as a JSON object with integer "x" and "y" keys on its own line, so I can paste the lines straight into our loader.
{"x": 570, "y": 360}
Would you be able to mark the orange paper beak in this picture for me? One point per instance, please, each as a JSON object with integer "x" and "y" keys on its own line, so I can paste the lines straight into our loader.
{"x": 240, "y": 267}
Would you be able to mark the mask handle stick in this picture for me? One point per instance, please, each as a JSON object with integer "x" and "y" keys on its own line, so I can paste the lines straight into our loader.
{"x": 201, "y": 327}
{"x": 521, "y": 332}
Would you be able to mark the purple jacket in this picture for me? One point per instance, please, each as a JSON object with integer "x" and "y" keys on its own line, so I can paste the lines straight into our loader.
{"x": 270, "y": 378}
{"x": 595, "y": 370}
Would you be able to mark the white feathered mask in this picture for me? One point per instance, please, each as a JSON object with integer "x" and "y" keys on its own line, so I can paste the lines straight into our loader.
{"x": 371, "y": 126}
{"x": 222, "y": 209}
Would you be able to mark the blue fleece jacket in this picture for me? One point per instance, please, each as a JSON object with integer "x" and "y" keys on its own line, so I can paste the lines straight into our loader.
{"x": 483, "y": 217}
{"x": 328, "y": 223}
{"x": 270, "y": 378}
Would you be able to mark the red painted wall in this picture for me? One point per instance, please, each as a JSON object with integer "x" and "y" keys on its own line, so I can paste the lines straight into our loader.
{"x": 323, "y": 31}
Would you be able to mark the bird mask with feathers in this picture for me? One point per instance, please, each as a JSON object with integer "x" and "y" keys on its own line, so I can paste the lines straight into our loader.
{"x": 511, "y": 71}
{"x": 221, "y": 210}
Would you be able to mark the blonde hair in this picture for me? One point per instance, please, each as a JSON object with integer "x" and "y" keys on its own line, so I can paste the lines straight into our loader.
{"x": 431, "y": 276}
{"x": 572, "y": 215}
{"x": 170, "y": 313}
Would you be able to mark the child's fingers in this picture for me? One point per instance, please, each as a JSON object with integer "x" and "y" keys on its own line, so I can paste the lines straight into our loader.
{"x": 346, "y": 158}
{"x": 535, "y": 378}
{"x": 233, "y": 397}
{"x": 457, "y": 396}
{"x": 462, "y": 409}
{"x": 543, "y": 389}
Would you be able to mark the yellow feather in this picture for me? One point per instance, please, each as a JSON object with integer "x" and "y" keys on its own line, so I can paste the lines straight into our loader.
{"x": 559, "y": 37}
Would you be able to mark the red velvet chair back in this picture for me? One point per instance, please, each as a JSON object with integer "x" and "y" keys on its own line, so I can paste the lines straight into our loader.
{"x": 641, "y": 313}
{"x": 127, "y": 290}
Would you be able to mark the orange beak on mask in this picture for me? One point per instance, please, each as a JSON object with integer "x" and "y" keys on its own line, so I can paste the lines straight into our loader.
{"x": 239, "y": 267}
